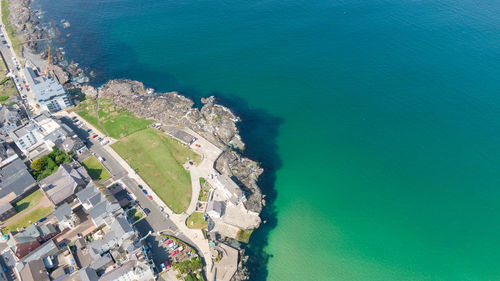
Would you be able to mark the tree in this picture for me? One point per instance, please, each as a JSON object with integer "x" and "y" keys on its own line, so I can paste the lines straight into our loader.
{"x": 37, "y": 165}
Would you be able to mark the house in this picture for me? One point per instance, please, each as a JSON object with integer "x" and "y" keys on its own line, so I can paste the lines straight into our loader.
{"x": 15, "y": 182}
{"x": 7, "y": 153}
{"x": 215, "y": 209}
{"x": 183, "y": 137}
{"x": 10, "y": 118}
{"x": 6, "y": 211}
{"x": 34, "y": 271}
{"x": 63, "y": 185}
{"x": 99, "y": 204}
{"x": 38, "y": 136}
{"x": 22, "y": 243}
{"x": 231, "y": 190}
{"x": 66, "y": 217}
{"x": 48, "y": 92}
{"x": 130, "y": 270}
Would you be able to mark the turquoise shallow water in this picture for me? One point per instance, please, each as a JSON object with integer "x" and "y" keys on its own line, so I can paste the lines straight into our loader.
{"x": 376, "y": 121}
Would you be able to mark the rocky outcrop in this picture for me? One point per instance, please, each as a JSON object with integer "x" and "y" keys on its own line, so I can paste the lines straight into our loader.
{"x": 214, "y": 122}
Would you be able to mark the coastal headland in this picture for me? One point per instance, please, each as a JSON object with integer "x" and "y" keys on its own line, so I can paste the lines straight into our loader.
{"x": 213, "y": 128}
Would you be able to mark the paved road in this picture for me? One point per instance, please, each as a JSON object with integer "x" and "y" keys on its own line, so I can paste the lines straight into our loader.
{"x": 155, "y": 221}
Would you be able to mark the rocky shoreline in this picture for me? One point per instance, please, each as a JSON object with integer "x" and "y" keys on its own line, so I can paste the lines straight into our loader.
{"x": 216, "y": 123}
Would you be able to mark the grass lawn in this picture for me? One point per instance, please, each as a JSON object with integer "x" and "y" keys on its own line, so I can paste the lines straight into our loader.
{"x": 116, "y": 122}
{"x": 96, "y": 169}
{"x": 16, "y": 44}
{"x": 32, "y": 217}
{"x": 158, "y": 159}
{"x": 244, "y": 235}
{"x": 29, "y": 201}
{"x": 196, "y": 220}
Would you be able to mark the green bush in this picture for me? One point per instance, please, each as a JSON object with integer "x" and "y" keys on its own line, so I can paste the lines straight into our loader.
{"x": 48, "y": 164}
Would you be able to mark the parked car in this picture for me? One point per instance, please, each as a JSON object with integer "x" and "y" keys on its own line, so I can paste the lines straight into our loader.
{"x": 89, "y": 130}
{"x": 150, "y": 197}
{"x": 161, "y": 208}
{"x": 163, "y": 267}
{"x": 147, "y": 211}
{"x": 100, "y": 159}
{"x": 166, "y": 215}
{"x": 167, "y": 264}
{"x": 42, "y": 219}
{"x": 144, "y": 191}
{"x": 174, "y": 253}
{"x": 94, "y": 136}
{"x": 168, "y": 242}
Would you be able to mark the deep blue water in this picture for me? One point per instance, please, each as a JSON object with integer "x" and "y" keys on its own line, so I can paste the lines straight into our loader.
{"x": 376, "y": 121}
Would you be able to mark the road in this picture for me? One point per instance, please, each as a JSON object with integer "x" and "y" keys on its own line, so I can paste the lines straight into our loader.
{"x": 155, "y": 221}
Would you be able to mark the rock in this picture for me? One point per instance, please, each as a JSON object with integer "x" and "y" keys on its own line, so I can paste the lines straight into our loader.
{"x": 89, "y": 91}
{"x": 214, "y": 122}
{"x": 61, "y": 75}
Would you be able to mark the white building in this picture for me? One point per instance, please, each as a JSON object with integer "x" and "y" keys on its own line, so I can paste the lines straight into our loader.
{"x": 43, "y": 132}
{"x": 48, "y": 92}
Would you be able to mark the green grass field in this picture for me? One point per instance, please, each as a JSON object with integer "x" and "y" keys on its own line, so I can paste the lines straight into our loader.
{"x": 158, "y": 159}
{"x": 116, "y": 122}
{"x": 29, "y": 201}
{"x": 196, "y": 220}
{"x": 96, "y": 169}
{"x": 32, "y": 217}
{"x": 16, "y": 44}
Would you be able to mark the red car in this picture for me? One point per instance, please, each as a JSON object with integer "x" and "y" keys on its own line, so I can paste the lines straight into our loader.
{"x": 167, "y": 264}
{"x": 174, "y": 253}
{"x": 168, "y": 241}
{"x": 150, "y": 197}
{"x": 94, "y": 136}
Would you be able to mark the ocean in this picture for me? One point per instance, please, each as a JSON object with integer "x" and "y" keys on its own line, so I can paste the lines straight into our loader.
{"x": 377, "y": 122}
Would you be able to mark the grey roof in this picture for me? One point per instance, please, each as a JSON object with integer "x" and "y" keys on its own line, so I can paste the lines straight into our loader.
{"x": 62, "y": 184}
{"x": 233, "y": 191}
{"x": 183, "y": 137}
{"x": 15, "y": 178}
{"x": 62, "y": 212}
{"x": 45, "y": 88}
{"x": 48, "y": 248}
{"x": 99, "y": 211}
{"x": 34, "y": 270}
{"x": 96, "y": 198}
{"x": 88, "y": 274}
{"x": 5, "y": 207}
{"x": 216, "y": 206}
{"x": 119, "y": 271}
{"x": 102, "y": 262}
{"x": 121, "y": 226}
{"x": 87, "y": 192}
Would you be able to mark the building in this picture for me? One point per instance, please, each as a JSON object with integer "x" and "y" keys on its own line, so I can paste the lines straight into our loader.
{"x": 15, "y": 183}
{"x": 34, "y": 271}
{"x": 6, "y": 211}
{"x": 22, "y": 243}
{"x": 7, "y": 153}
{"x": 231, "y": 190}
{"x": 215, "y": 209}
{"x": 38, "y": 136}
{"x": 131, "y": 270}
{"x": 48, "y": 92}
{"x": 66, "y": 217}
{"x": 183, "y": 137}
{"x": 63, "y": 185}
{"x": 10, "y": 118}
{"x": 101, "y": 206}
